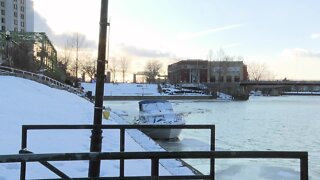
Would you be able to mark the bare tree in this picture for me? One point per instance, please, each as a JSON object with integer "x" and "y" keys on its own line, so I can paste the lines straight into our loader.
{"x": 113, "y": 67}
{"x": 89, "y": 68}
{"x": 124, "y": 66}
{"x": 65, "y": 56}
{"x": 152, "y": 69}
{"x": 22, "y": 57}
{"x": 259, "y": 71}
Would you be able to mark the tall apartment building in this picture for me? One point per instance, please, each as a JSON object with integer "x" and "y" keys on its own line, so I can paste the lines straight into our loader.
{"x": 16, "y": 15}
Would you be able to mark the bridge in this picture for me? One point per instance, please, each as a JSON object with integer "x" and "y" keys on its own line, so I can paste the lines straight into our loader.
{"x": 280, "y": 83}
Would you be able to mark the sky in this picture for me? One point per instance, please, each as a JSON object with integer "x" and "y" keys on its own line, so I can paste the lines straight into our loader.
{"x": 283, "y": 34}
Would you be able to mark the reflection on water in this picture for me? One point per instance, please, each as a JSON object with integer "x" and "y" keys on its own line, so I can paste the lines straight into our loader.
{"x": 262, "y": 123}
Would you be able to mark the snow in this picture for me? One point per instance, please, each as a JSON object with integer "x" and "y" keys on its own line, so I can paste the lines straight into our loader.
{"x": 27, "y": 102}
{"x": 133, "y": 89}
{"x": 125, "y": 89}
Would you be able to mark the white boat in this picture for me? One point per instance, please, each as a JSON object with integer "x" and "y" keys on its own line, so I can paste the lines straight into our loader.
{"x": 159, "y": 112}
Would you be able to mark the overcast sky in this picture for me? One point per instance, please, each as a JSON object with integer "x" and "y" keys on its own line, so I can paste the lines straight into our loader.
{"x": 284, "y": 34}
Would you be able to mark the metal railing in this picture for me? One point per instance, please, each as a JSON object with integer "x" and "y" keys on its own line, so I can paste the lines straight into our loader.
{"x": 39, "y": 78}
{"x": 122, "y": 129}
{"x": 154, "y": 157}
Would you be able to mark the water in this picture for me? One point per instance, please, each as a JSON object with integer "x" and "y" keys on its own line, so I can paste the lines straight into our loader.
{"x": 263, "y": 123}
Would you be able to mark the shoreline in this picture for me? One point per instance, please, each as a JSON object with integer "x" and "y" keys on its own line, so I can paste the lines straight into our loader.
{"x": 119, "y": 98}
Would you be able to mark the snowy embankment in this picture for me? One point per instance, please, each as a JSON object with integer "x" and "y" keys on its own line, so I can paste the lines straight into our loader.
{"x": 25, "y": 102}
{"x": 124, "y": 89}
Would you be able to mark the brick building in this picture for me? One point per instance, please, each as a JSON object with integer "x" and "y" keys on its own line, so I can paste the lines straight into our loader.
{"x": 203, "y": 71}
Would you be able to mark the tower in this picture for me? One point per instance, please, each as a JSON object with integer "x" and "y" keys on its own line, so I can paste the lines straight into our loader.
{"x": 16, "y": 15}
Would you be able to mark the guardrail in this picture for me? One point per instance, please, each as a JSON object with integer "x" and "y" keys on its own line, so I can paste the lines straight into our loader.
{"x": 122, "y": 129}
{"x": 39, "y": 78}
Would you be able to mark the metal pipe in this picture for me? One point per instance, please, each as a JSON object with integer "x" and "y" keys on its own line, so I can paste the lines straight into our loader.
{"x": 96, "y": 137}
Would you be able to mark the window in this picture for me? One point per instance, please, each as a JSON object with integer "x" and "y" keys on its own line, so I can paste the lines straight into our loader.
{"x": 2, "y": 4}
{"x": 22, "y": 24}
{"x": 15, "y": 22}
{"x": 15, "y": 14}
{"x": 16, "y": 29}
{"x": 15, "y": 6}
{"x": 22, "y": 1}
{"x": 212, "y": 79}
{"x": 3, "y": 28}
{"x": 3, "y": 20}
{"x": 229, "y": 79}
{"x": 22, "y": 8}
{"x": 237, "y": 79}
{"x": 2, "y": 12}
{"x": 221, "y": 79}
{"x": 22, "y": 16}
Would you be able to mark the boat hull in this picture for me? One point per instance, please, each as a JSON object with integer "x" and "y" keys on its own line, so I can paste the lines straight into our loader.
{"x": 162, "y": 133}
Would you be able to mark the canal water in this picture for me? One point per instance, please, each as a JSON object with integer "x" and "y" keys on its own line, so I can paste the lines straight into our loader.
{"x": 285, "y": 123}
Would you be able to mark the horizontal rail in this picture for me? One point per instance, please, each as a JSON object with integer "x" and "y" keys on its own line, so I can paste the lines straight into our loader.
{"x": 119, "y": 126}
{"x": 151, "y": 155}
{"x": 155, "y": 156}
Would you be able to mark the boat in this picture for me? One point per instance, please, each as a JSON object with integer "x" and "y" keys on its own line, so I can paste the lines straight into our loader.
{"x": 159, "y": 112}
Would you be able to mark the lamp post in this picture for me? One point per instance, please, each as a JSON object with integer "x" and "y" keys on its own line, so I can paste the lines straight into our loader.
{"x": 96, "y": 136}
{"x": 8, "y": 38}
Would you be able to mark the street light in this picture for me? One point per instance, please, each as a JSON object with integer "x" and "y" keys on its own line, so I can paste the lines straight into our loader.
{"x": 8, "y": 38}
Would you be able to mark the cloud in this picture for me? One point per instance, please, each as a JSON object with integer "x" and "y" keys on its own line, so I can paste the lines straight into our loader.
{"x": 141, "y": 52}
{"x": 301, "y": 53}
{"x": 315, "y": 36}
{"x": 232, "y": 45}
{"x": 188, "y": 35}
{"x": 60, "y": 40}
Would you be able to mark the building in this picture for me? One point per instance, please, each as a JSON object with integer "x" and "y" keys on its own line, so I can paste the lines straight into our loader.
{"x": 16, "y": 15}
{"x": 227, "y": 71}
{"x": 188, "y": 71}
{"x": 203, "y": 71}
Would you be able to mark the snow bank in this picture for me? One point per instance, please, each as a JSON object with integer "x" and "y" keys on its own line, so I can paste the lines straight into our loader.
{"x": 27, "y": 102}
{"x": 125, "y": 89}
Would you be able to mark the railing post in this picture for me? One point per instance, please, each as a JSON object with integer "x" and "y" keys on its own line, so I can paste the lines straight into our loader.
{"x": 122, "y": 145}
{"x": 304, "y": 167}
{"x": 154, "y": 169}
{"x": 23, "y": 164}
{"x": 212, "y": 148}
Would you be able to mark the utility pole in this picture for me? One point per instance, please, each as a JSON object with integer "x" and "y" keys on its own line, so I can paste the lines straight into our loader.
{"x": 96, "y": 136}
{"x": 77, "y": 39}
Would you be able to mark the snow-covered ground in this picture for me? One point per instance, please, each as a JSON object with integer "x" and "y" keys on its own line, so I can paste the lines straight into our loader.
{"x": 27, "y": 102}
{"x": 133, "y": 89}
{"x": 124, "y": 89}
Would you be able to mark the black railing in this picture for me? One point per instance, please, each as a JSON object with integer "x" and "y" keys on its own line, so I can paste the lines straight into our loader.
{"x": 122, "y": 129}
{"x": 155, "y": 156}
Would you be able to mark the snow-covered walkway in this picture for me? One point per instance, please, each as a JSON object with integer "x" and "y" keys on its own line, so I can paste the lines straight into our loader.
{"x": 26, "y": 102}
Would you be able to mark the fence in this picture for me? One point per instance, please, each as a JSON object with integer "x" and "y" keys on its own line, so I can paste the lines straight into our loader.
{"x": 154, "y": 157}
{"x": 39, "y": 78}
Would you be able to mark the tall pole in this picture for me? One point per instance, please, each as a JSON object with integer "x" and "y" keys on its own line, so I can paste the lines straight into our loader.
{"x": 96, "y": 137}
{"x": 77, "y": 57}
